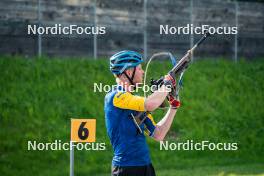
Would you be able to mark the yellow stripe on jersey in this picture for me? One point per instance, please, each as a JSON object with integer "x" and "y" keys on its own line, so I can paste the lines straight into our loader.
{"x": 126, "y": 100}
{"x": 150, "y": 125}
{"x": 151, "y": 118}
{"x": 146, "y": 131}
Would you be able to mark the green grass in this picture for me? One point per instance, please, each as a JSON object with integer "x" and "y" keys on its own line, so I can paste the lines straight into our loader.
{"x": 221, "y": 102}
{"x": 233, "y": 170}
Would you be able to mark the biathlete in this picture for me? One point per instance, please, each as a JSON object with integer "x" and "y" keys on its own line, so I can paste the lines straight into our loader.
{"x": 128, "y": 117}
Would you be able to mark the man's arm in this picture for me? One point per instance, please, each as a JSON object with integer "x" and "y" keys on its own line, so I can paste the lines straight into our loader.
{"x": 153, "y": 101}
{"x": 164, "y": 125}
{"x": 156, "y": 99}
{"x": 126, "y": 100}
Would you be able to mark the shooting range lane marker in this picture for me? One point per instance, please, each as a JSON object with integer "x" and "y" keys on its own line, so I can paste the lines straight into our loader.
{"x": 82, "y": 130}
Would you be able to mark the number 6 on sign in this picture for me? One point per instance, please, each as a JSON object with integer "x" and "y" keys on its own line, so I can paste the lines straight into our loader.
{"x": 83, "y": 130}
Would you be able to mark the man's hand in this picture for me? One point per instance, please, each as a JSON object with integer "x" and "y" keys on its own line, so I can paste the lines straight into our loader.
{"x": 175, "y": 104}
{"x": 169, "y": 80}
{"x": 173, "y": 98}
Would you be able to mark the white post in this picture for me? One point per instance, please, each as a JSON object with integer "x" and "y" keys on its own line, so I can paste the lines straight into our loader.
{"x": 145, "y": 30}
{"x": 236, "y": 36}
{"x": 191, "y": 20}
{"x": 39, "y": 36}
{"x": 71, "y": 159}
{"x": 95, "y": 35}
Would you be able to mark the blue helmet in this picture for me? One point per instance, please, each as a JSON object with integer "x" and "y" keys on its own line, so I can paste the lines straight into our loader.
{"x": 124, "y": 60}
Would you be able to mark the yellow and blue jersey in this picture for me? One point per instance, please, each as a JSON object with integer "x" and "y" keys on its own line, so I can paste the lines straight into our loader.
{"x": 130, "y": 146}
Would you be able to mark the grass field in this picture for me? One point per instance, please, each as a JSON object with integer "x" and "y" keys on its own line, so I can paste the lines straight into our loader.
{"x": 221, "y": 102}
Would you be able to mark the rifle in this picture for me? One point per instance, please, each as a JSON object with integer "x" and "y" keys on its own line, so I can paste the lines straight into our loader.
{"x": 178, "y": 69}
{"x": 181, "y": 65}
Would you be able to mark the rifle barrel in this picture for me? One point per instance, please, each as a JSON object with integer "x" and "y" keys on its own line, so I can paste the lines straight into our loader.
{"x": 183, "y": 63}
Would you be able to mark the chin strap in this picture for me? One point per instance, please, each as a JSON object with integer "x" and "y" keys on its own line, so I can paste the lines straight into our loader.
{"x": 131, "y": 79}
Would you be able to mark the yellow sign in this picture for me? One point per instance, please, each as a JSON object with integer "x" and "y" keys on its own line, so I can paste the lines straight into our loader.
{"x": 83, "y": 130}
